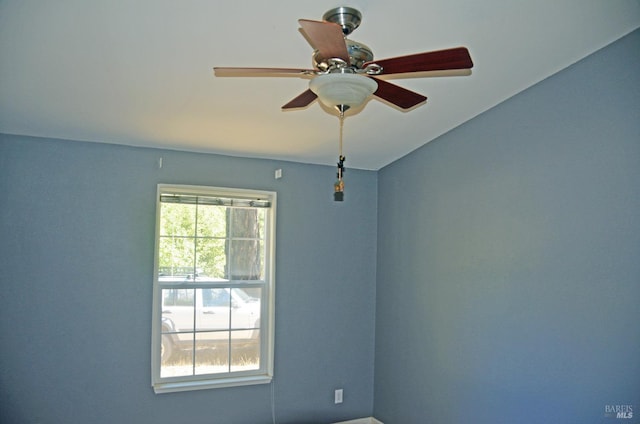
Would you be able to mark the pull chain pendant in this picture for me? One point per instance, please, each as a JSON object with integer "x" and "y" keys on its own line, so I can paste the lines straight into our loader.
{"x": 338, "y": 187}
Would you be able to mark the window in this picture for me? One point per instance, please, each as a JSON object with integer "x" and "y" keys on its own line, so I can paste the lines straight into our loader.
{"x": 213, "y": 292}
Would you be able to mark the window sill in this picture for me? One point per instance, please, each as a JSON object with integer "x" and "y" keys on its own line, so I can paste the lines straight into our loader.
{"x": 184, "y": 386}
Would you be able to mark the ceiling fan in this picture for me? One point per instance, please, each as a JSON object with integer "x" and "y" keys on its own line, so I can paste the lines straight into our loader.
{"x": 344, "y": 71}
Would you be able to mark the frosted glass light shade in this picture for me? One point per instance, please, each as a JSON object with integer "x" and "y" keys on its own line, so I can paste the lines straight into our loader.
{"x": 342, "y": 89}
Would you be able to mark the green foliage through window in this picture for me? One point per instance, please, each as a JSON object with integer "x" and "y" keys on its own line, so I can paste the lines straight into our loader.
{"x": 223, "y": 242}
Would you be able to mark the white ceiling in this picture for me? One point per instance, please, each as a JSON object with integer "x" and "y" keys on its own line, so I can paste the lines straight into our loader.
{"x": 140, "y": 72}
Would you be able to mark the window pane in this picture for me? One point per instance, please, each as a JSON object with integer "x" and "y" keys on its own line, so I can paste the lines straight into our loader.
{"x": 176, "y": 256}
{"x": 216, "y": 298}
{"x": 176, "y": 369}
{"x": 180, "y": 362}
{"x": 246, "y": 222}
{"x": 212, "y": 258}
{"x": 178, "y": 311}
{"x": 177, "y": 220}
{"x": 261, "y": 221}
{"x": 246, "y": 260}
{"x": 177, "y": 332}
{"x": 245, "y": 249}
{"x": 244, "y": 356}
{"x": 245, "y": 313}
{"x": 214, "y": 313}
{"x": 212, "y": 221}
{"x": 180, "y": 297}
{"x": 212, "y": 359}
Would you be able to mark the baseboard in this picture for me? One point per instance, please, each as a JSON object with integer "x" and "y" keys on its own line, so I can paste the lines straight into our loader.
{"x": 368, "y": 420}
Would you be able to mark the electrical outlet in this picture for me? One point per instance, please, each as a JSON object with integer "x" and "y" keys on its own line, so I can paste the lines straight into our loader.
{"x": 337, "y": 396}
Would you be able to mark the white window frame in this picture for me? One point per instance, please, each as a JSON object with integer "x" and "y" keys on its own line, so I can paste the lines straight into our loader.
{"x": 264, "y": 374}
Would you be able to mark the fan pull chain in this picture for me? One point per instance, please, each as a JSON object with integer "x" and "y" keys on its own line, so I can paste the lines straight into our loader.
{"x": 338, "y": 187}
{"x": 341, "y": 130}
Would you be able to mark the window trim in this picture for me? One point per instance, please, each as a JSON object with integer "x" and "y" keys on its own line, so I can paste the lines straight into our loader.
{"x": 264, "y": 375}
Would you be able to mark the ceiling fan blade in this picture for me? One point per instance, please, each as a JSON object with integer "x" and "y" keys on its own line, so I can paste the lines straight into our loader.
{"x": 326, "y": 37}
{"x": 401, "y": 97}
{"x": 302, "y": 100}
{"x": 456, "y": 58}
{"x": 260, "y": 72}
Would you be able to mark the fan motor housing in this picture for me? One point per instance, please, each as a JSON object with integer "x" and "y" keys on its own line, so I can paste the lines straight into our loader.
{"x": 359, "y": 54}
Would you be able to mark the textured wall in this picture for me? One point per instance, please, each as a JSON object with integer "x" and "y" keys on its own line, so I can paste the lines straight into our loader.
{"x": 508, "y": 260}
{"x": 76, "y": 259}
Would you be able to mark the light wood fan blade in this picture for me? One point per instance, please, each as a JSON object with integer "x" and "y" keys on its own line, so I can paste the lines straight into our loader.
{"x": 456, "y": 58}
{"x": 326, "y": 37}
{"x": 302, "y": 100}
{"x": 401, "y": 97}
{"x": 261, "y": 72}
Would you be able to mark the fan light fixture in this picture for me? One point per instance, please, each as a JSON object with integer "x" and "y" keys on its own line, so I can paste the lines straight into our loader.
{"x": 342, "y": 89}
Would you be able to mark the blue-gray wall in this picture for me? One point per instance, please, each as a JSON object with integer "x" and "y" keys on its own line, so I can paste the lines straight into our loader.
{"x": 509, "y": 258}
{"x": 76, "y": 262}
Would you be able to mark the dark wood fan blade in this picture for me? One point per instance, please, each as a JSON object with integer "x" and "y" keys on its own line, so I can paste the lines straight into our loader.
{"x": 456, "y": 58}
{"x": 326, "y": 37}
{"x": 261, "y": 72}
{"x": 302, "y": 100}
{"x": 401, "y": 97}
